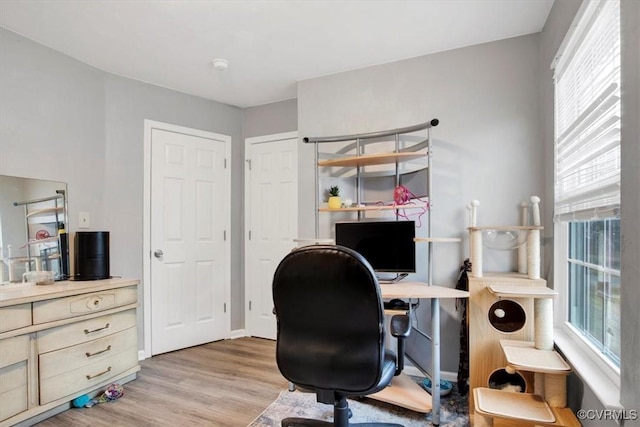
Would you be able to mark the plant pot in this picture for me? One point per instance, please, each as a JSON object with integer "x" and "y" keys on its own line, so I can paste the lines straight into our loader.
{"x": 335, "y": 202}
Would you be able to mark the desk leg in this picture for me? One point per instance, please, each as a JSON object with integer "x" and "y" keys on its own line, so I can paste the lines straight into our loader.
{"x": 435, "y": 357}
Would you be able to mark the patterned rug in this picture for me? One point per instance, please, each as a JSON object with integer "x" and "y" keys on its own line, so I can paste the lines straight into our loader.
{"x": 453, "y": 413}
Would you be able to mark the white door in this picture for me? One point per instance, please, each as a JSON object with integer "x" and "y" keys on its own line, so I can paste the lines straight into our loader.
{"x": 271, "y": 188}
{"x": 190, "y": 198}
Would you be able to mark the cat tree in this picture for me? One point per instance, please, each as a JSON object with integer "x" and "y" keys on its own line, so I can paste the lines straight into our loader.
{"x": 515, "y": 375}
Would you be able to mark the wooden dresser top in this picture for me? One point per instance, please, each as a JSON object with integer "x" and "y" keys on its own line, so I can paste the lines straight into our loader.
{"x": 20, "y": 293}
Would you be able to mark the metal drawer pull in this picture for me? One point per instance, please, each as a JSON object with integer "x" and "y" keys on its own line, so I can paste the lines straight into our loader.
{"x": 90, "y": 377}
{"x": 98, "y": 352}
{"x": 86, "y": 331}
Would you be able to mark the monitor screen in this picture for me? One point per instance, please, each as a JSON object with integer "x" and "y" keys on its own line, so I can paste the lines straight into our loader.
{"x": 387, "y": 245}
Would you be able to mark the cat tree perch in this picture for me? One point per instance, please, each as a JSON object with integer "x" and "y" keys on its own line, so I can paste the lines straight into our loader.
{"x": 528, "y": 255}
{"x": 549, "y": 368}
{"x": 546, "y": 405}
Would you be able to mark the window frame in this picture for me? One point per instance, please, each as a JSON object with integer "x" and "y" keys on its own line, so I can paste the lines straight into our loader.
{"x": 600, "y": 374}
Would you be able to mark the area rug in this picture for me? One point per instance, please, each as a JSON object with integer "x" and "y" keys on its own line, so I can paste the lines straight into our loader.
{"x": 453, "y": 412}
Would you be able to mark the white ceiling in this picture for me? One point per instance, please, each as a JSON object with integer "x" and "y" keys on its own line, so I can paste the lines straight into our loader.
{"x": 270, "y": 45}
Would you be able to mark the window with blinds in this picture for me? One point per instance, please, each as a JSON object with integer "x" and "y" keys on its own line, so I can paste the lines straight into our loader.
{"x": 587, "y": 178}
{"x": 587, "y": 93}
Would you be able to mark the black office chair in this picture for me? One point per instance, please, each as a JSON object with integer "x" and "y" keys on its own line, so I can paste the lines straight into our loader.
{"x": 331, "y": 328}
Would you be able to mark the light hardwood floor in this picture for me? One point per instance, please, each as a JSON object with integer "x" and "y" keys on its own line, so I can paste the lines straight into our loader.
{"x": 225, "y": 383}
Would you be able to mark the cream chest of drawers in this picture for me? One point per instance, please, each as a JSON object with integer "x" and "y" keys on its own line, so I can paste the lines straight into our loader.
{"x": 60, "y": 341}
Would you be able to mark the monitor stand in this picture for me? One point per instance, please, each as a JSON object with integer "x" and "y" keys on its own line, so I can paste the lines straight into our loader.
{"x": 387, "y": 281}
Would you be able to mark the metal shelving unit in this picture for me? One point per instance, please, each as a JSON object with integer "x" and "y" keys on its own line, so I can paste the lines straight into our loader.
{"x": 48, "y": 251}
{"x": 408, "y": 146}
{"x": 353, "y": 154}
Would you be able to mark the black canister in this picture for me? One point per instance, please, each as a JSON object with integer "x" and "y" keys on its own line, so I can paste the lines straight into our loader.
{"x": 91, "y": 255}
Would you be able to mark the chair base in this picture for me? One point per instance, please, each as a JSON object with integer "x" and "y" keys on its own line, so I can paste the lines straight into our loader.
{"x": 341, "y": 415}
{"x": 306, "y": 422}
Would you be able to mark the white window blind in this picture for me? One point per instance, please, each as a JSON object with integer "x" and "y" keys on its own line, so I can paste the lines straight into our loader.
{"x": 587, "y": 115}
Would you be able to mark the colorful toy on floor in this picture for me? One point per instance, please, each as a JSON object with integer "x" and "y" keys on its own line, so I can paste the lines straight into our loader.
{"x": 80, "y": 401}
{"x": 112, "y": 392}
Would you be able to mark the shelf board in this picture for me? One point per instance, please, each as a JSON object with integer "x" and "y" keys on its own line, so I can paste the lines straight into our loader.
{"x": 515, "y": 406}
{"x": 39, "y": 241}
{"x": 523, "y": 356}
{"x": 406, "y": 393}
{"x": 520, "y": 291}
{"x": 403, "y": 289}
{"x": 506, "y": 228}
{"x": 371, "y": 208}
{"x": 372, "y": 159}
{"x": 437, "y": 239}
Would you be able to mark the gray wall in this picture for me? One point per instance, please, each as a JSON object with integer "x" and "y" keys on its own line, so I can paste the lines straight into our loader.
{"x": 488, "y": 145}
{"x": 63, "y": 120}
{"x": 52, "y": 123}
{"x": 269, "y": 119}
{"x": 560, "y": 18}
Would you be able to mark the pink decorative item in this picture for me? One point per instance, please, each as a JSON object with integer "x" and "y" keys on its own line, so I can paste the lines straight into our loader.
{"x": 402, "y": 196}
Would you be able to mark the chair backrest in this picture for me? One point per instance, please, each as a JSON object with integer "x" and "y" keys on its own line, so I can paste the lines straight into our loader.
{"x": 330, "y": 319}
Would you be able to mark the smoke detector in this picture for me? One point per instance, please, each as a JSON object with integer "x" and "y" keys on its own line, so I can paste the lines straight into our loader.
{"x": 220, "y": 64}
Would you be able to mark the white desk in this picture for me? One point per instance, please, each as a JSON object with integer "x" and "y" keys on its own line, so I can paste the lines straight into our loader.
{"x": 421, "y": 290}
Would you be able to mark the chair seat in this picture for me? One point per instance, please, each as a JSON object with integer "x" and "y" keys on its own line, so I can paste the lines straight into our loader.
{"x": 331, "y": 328}
{"x": 388, "y": 372}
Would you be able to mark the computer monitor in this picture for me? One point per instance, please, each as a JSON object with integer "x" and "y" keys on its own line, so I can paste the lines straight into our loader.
{"x": 387, "y": 245}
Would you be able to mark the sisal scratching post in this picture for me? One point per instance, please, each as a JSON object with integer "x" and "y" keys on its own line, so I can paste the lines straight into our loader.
{"x": 533, "y": 242}
{"x": 533, "y": 254}
{"x": 555, "y": 390}
{"x": 543, "y": 323}
{"x": 522, "y": 249}
{"x": 538, "y": 383}
{"x": 535, "y": 210}
{"x": 475, "y": 240}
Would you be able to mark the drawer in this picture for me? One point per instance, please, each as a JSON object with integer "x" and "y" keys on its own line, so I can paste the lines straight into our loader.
{"x": 15, "y": 317}
{"x": 13, "y": 350}
{"x": 14, "y": 355}
{"x": 13, "y": 376}
{"x": 13, "y": 402}
{"x": 90, "y": 375}
{"x": 84, "y": 331}
{"x": 78, "y": 305}
{"x": 70, "y": 358}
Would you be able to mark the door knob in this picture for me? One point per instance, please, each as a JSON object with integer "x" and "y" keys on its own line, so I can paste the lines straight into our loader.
{"x": 158, "y": 253}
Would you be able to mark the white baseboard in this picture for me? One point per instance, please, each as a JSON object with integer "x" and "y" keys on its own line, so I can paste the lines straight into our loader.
{"x": 449, "y": 376}
{"x": 238, "y": 333}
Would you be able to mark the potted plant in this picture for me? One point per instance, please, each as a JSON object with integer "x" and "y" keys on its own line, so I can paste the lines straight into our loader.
{"x": 334, "y": 198}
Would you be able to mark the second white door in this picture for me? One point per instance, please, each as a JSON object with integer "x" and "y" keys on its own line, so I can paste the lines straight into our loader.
{"x": 271, "y": 222}
{"x": 189, "y": 216}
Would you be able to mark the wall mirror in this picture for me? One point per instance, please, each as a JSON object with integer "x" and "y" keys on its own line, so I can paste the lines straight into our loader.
{"x": 33, "y": 225}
